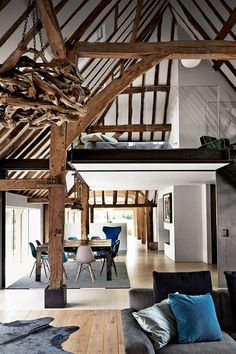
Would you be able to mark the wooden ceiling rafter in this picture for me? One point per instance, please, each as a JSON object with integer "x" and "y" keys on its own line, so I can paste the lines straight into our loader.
{"x": 170, "y": 62}
{"x": 138, "y": 12}
{"x": 3, "y": 4}
{"x": 84, "y": 26}
{"x": 129, "y": 128}
{"x": 11, "y": 61}
{"x": 51, "y": 26}
{"x": 142, "y": 98}
{"x": 16, "y": 24}
{"x": 90, "y": 61}
{"x": 156, "y": 80}
{"x": 75, "y": 12}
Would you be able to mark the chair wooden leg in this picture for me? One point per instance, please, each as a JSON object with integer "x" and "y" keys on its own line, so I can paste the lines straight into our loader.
{"x": 47, "y": 265}
{"x": 64, "y": 272}
{"x": 32, "y": 269}
{"x": 78, "y": 273}
{"x": 104, "y": 260}
{"x": 44, "y": 267}
{"x": 114, "y": 265}
{"x": 91, "y": 272}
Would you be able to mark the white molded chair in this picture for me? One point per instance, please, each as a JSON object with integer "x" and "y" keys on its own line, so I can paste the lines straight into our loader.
{"x": 84, "y": 258}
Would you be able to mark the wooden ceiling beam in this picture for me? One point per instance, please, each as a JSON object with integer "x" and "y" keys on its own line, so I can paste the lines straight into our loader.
{"x": 21, "y": 184}
{"x": 128, "y": 205}
{"x": 201, "y": 49}
{"x": 51, "y": 26}
{"x": 129, "y": 128}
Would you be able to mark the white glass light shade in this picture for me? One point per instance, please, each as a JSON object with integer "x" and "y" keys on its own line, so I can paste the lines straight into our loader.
{"x": 190, "y": 63}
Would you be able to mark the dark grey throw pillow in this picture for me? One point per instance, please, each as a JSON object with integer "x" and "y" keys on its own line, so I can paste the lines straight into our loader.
{"x": 159, "y": 323}
{"x": 188, "y": 283}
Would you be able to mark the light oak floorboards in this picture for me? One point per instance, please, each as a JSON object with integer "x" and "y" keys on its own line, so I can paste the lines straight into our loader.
{"x": 99, "y": 333}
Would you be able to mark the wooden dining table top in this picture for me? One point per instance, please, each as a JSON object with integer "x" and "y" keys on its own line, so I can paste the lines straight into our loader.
{"x": 77, "y": 243}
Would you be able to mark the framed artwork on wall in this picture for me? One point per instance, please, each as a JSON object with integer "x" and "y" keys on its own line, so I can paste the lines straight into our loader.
{"x": 167, "y": 207}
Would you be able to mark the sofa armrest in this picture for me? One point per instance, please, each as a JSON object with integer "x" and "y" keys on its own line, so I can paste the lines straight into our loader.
{"x": 134, "y": 338}
{"x": 140, "y": 298}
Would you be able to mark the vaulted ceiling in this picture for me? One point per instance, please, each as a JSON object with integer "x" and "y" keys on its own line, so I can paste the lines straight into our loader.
{"x": 143, "y": 105}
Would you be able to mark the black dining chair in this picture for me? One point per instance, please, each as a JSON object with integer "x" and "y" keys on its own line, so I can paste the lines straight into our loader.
{"x": 115, "y": 250}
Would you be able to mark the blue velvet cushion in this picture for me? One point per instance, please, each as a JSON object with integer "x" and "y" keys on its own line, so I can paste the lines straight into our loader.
{"x": 196, "y": 318}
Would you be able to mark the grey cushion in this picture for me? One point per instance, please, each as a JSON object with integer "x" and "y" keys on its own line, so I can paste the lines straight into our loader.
{"x": 227, "y": 346}
{"x": 134, "y": 338}
{"x": 159, "y": 322}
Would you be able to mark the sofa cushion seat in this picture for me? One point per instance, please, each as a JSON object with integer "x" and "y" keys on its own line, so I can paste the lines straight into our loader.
{"x": 227, "y": 346}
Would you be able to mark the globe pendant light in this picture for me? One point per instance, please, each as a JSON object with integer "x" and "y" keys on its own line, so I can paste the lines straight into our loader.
{"x": 190, "y": 63}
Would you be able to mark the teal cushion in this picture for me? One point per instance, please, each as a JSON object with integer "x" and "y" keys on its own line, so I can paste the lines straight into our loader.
{"x": 159, "y": 323}
{"x": 196, "y": 318}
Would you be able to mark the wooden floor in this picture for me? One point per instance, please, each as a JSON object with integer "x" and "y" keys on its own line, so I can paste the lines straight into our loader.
{"x": 99, "y": 333}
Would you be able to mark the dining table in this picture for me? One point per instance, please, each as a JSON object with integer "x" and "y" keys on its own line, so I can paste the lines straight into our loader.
{"x": 96, "y": 245}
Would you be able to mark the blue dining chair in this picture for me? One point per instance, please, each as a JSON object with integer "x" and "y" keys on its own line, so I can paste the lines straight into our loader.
{"x": 71, "y": 250}
{"x": 112, "y": 233}
{"x": 44, "y": 259}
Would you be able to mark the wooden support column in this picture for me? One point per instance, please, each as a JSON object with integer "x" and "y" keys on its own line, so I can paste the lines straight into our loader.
{"x": 135, "y": 211}
{"x": 85, "y": 212}
{"x": 55, "y": 294}
{"x": 144, "y": 228}
{"x": 151, "y": 245}
{"x": 45, "y": 223}
{"x": 91, "y": 214}
{"x": 140, "y": 223}
{"x": 2, "y": 234}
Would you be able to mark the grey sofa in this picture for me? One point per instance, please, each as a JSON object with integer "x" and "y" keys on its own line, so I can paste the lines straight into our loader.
{"x": 137, "y": 342}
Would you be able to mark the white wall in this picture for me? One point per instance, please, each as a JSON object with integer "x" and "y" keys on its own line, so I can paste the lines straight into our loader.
{"x": 166, "y": 230}
{"x": 188, "y": 223}
{"x": 20, "y": 201}
{"x": 28, "y": 228}
{"x": 206, "y": 225}
{"x": 189, "y": 234}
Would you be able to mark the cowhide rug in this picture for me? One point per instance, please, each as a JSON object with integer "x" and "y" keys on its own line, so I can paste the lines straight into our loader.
{"x": 33, "y": 337}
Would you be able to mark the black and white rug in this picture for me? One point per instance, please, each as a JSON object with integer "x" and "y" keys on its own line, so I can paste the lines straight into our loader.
{"x": 118, "y": 282}
{"x": 33, "y": 337}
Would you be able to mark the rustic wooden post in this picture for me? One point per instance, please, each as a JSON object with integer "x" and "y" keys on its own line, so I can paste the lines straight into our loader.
{"x": 91, "y": 214}
{"x": 45, "y": 223}
{"x": 55, "y": 294}
{"x": 140, "y": 222}
{"x": 144, "y": 222}
{"x": 85, "y": 212}
{"x": 149, "y": 224}
{"x": 135, "y": 213}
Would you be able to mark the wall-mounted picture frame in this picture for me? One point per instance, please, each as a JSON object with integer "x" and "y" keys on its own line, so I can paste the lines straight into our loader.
{"x": 167, "y": 207}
